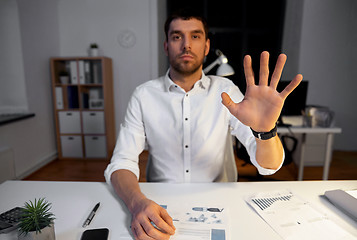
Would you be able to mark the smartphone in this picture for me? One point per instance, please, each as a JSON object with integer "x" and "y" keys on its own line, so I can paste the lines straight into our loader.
{"x": 95, "y": 234}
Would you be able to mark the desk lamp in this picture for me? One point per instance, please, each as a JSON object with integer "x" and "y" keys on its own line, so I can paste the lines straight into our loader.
{"x": 224, "y": 68}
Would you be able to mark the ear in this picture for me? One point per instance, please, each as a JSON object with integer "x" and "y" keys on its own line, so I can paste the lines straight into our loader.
{"x": 166, "y": 48}
{"x": 208, "y": 44}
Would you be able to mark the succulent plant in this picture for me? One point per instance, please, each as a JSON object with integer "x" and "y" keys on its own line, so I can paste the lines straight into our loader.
{"x": 36, "y": 216}
{"x": 94, "y": 45}
{"x": 63, "y": 74}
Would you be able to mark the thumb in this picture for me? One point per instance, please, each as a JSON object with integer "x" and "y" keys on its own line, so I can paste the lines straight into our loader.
{"x": 227, "y": 101}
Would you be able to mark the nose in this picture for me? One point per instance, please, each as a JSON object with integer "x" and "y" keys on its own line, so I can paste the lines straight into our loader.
{"x": 186, "y": 43}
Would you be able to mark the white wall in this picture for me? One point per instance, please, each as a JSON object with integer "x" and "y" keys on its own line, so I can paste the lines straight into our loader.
{"x": 33, "y": 140}
{"x": 66, "y": 28}
{"x": 321, "y": 41}
{"x": 11, "y": 61}
{"x": 82, "y": 22}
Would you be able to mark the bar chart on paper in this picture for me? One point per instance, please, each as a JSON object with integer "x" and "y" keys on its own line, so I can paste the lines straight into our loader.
{"x": 265, "y": 203}
{"x": 294, "y": 218}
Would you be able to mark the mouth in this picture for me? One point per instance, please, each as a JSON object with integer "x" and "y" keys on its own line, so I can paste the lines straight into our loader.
{"x": 186, "y": 57}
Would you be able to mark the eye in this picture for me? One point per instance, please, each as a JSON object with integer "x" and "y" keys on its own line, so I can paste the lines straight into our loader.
{"x": 176, "y": 37}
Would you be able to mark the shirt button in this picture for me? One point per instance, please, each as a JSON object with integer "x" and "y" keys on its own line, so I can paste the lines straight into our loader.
{"x": 186, "y": 95}
{"x": 187, "y": 171}
{"x": 186, "y": 146}
{"x": 186, "y": 119}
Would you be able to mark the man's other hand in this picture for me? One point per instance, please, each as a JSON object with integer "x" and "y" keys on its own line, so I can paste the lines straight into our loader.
{"x": 151, "y": 221}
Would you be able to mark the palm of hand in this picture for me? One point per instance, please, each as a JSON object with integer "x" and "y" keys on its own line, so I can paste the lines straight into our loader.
{"x": 260, "y": 108}
{"x": 262, "y": 104}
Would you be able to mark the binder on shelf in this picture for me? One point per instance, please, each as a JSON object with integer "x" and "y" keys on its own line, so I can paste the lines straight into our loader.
{"x": 85, "y": 100}
{"x": 72, "y": 92}
{"x": 59, "y": 98}
{"x": 87, "y": 72}
{"x": 96, "y": 72}
{"x": 81, "y": 74}
{"x": 73, "y": 71}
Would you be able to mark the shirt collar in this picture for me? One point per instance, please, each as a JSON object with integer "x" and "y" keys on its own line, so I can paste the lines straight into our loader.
{"x": 203, "y": 83}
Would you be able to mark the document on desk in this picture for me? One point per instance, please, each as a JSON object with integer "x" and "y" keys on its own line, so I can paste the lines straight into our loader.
{"x": 199, "y": 222}
{"x": 196, "y": 223}
{"x": 294, "y": 218}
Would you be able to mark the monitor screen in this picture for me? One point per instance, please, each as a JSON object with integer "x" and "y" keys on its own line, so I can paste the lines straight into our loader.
{"x": 295, "y": 103}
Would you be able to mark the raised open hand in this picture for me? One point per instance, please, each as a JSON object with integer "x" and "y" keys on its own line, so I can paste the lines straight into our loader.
{"x": 262, "y": 104}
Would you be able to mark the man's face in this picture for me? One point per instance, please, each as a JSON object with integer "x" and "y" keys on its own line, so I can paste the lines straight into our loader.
{"x": 186, "y": 45}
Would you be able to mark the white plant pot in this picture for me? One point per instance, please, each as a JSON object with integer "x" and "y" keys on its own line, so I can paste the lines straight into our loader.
{"x": 93, "y": 52}
{"x": 64, "y": 79}
{"x": 47, "y": 233}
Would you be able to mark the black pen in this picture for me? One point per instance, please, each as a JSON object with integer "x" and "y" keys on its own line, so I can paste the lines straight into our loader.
{"x": 91, "y": 215}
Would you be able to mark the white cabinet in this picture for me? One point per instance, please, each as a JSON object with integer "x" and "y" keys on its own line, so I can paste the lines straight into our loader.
{"x": 69, "y": 122}
{"x": 315, "y": 149}
{"x": 93, "y": 122}
{"x": 71, "y": 146}
{"x": 95, "y": 146}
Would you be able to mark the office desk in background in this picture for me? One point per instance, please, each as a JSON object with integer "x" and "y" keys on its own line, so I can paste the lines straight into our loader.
{"x": 72, "y": 201}
{"x": 313, "y": 130}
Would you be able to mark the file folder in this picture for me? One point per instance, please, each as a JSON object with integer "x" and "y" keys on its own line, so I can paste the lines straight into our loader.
{"x": 73, "y": 71}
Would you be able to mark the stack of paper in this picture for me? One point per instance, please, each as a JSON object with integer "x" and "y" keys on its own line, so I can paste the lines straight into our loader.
{"x": 200, "y": 223}
{"x": 346, "y": 201}
{"x": 294, "y": 218}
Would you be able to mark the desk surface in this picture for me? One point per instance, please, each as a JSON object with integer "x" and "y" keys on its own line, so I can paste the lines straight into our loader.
{"x": 72, "y": 202}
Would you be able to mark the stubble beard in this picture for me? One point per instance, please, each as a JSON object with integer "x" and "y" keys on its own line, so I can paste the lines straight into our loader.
{"x": 185, "y": 68}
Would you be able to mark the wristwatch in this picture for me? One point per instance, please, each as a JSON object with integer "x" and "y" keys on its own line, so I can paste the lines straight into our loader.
{"x": 265, "y": 135}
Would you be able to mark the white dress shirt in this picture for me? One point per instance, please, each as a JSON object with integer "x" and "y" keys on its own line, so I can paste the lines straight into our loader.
{"x": 184, "y": 132}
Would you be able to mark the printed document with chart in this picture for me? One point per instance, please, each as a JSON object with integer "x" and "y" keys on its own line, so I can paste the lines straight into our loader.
{"x": 293, "y": 218}
{"x": 199, "y": 222}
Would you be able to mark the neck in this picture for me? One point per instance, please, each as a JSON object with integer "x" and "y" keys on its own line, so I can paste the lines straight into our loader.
{"x": 185, "y": 81}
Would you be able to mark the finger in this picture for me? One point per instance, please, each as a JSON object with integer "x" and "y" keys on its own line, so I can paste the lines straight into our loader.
{"x": 139, "y": 232}
{"x": 164, "y": 223}
{"x": 292, "y": 85}
{"x": 280, "y": 63}
{"x": 170, "y": 224}
{"x": 248, "y": 70}
{"x": 264, "y": 69}
{"x": 153, "y": 231}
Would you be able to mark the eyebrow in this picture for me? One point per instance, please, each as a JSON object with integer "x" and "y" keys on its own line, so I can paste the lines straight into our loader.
{"x": 198, "y": 31}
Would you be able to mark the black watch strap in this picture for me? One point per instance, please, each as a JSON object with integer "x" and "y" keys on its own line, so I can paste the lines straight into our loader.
{"x": 265, "y": 135}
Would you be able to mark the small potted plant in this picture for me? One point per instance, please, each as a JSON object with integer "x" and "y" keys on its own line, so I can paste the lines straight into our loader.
{"x": 37, "y": 222}
{"x": 64, "y": 77}
{"x": 93, "y": 50}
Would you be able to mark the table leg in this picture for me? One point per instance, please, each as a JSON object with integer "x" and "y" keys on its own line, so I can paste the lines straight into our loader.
{"x": 302, "y": 156}
{"x": 328, "y": 156}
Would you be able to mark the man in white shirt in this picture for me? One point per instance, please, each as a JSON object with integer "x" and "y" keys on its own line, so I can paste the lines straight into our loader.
{"x": 181, "y": 119}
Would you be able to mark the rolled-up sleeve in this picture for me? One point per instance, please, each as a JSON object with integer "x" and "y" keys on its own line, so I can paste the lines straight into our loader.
{"x": 245, "y": 136}
{"x": 130, "y": 142}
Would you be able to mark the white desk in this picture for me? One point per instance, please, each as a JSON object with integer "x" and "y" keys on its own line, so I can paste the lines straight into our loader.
{"x": 72, "y": 202}
{"x": 314, "y": 130}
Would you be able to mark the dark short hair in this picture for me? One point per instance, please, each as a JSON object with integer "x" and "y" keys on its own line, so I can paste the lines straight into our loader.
{"x": 185, "y": 14}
